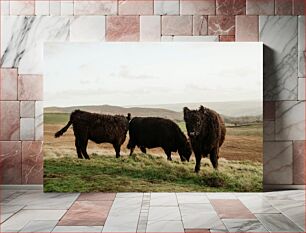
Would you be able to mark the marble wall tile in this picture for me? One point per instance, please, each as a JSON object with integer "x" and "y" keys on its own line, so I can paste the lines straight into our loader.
{"x": 283, "y": 7}
{"x": 269, "y": 110}
{"x": 260, "y": 7}
{"x": 27, "y": 129}
{"x": 299, "y": 162}
{"x": 150, "y": 28}
{"x": 301, "y": 89}
{"x": 279, "y": 35}
{"x": 22, "y": 40}
{"x": 298, "y": 7}
{"x": 189, "y": 38}
{"x": 166, "y": 7}
{"x": 39, "y": 120}
{"x": 10, "y": 161}
{"x": 278, "y": 163}
{"x": 87, "y": 28}
{"x": 27, "y": 109}
{"x": 5, "y": 7}
{"x": 30, "y": 87}
{"x": 247, "y": 28}
{"x": 200, "y": 25}
{"x": 8, "y": 84}
{"x": 176, "y": 25}
{"x": 203, "y": 7}
{"x": 42, "y": 7}
{"x": 230, "y": 7}
{"x": 290, "y": 120}
{"x": 107, "y": 7}
{"x": 226, "y": 38}
{"x": 67, "y": 7}
{"x": 301, "y": 46}
{"x": 32, "y": 162}
{"x": 22, "y": 7}
{"x": 269, "y": 131}
{"x": 135, "y": 7}
{"x": 55, "y": 8}
{"x": 122, "y": 28}
{"x": 221, "y": 25}
{"x": 9, "y": 120}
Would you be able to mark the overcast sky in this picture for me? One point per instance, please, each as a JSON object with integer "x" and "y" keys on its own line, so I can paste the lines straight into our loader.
{"x": 128, "y": 74}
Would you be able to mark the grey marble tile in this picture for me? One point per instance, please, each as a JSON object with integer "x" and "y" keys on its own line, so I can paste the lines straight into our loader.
{"x": 42, "y": 7}
{"x": 221, "y": 196}
{"x": 9, "y": 210}
{"x": 67, "y": 7}
{"x": 278, "y": 223}
{"x": 167, "y": 7}
{"x": 168, "y": 213}
{"x": 301, "y": 46}
{"x": 301, "y": 89}
{"x": 55, "y": 8}
{"x": 165, "y": 226}
{"x": 129, "y": 195}
{"x": 269, "y": 130}
{"x": 5, "y": 7}
{"x": 163, "y": 199}
{"x": 75, "y": 229}
{"x": 189, "y": 38}
{"x": 293, "y": 195}
{"x": 184, "y": 198}
{"x": 279, "y": 34}
{"x": 22, "y": 40}
{"x": 257, "y": 205}
{"x": 39, "y": 226}
{"x": 242, "y": 225}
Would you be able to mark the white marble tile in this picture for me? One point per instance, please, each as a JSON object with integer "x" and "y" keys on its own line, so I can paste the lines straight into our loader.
{"x": 184, "y": 198}
{"x": 165, "y": 226}
{"x": 190, "y": 38}
{"x": 269, "y": 130}
{"x": 75, "y": 229}
{"x": 278, "y": 163}
{"x": 66, "y": 7}
{"x": 20, "y": 219}
{"x": 55, "y": 8}
{"x": 301, "y": 89}
{"x": 39, "y": 120}
{"x": 150, "y": 28}
{"x": 277, "y": 223}
{"x": 257, "y": 205}
{"x": 301, "y": 46}
{"x": 8, "y": 210}
{"x": 290, "y": 120}
{"x": 168, "y": 213}
{"x": 42, "y": 7}
{"x": 22, "y": 7}
{"x": 27, "y": 131}
{"x": 5, "y": 7}
{"x": 163, "y": 199}
{"x": 22, "y": 40}
{"x": 39, "y": 226}
{"x": 87, "y": 29}
{"x": 279, "y": 34}
{"x": 241, "y": 225}
{"x": 166, "y": 7}
{"x": 106, "y": 7}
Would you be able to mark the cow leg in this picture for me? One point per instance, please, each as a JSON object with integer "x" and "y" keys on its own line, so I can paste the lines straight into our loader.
{"x": 143, "y": 149}
{"x": 83, "y": 144}
{"x": 198, "y": 162}
{"x": 117, "y": 149}
{"x": 214, "y": 155}
{"x": 168, "y": 153}
{"x": 78, "y": 149}
{"x": 131, "y": 146}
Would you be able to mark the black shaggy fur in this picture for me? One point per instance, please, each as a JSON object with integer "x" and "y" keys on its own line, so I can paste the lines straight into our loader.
{"x": 206, "y": 130}
{"x": 98, "y": 128}
{"x": 152, "y": 132}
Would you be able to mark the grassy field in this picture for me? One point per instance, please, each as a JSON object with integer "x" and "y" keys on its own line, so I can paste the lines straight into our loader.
{"x": 240, "y": 165}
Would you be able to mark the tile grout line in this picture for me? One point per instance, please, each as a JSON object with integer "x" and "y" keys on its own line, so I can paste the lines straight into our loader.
{"x": 143, "y": 215}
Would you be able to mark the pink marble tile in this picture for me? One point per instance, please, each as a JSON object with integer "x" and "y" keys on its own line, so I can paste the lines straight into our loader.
{"x": 86, "y": 213}
{"x": 230, "y": 7}
{"x": 10, "y": 162}
{"x": 22, "y": 7}
{"x": 260, "y": 7}
{"x": 32, "y": 162}
{"x": 298, "y": 7}
{"x": 231, "y": 209}
{"x": 283, "y": 7}
{"x": 200, "y": 25}
{"x": 9, "y": 120}
{"x": 299, "y": 162}
{"x": 27, "y": 108}
{"x": 135, "y": 7}
{"x": 269, "y": 110}
{"x": 30, "y": 87}
{"x": 8, "y": 84}
{"x": 221, "y": 25}
{"x": 122, "y": 28}
{"x": 227, "y": 38}
{"x": 196, "y": 7}
{"x": 247, "y": 28}
{"x": 97, "y": 197}
{"x": 105, "y": 7}
{"x": 176, "y": 25}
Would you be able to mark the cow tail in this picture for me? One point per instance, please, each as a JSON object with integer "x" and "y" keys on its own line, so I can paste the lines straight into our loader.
{"x": 63, "y": 130}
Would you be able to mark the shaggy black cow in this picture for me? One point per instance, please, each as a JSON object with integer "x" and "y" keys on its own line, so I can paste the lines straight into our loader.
{"x": 152, "y": 132}
{"x": 98, "y": 128}
{"x": 206, "y": 130}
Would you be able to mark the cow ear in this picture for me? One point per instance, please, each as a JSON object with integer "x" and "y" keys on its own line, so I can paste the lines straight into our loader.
{"x": 186, "y": 110}
{"x": 202, "y": 108}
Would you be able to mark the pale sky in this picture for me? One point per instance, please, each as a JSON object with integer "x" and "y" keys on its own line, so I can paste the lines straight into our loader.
{"x": 129, "y": 74}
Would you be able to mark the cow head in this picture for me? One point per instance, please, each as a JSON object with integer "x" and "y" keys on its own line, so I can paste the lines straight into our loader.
{"x": 185, "y": 151}
{"x": 193, "y": 120}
